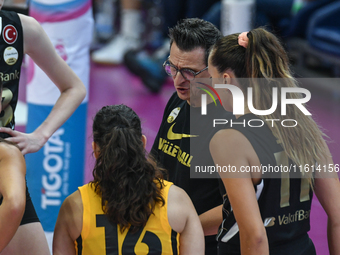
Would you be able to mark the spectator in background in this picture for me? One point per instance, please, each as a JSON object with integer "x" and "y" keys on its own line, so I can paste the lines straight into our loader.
{"x": 19, "y": 3}
{"x": 277, "y": 15}
{"x": 128, "y": 37}
{"x": 270, "y": 13}
{"x": 149, "y": 66}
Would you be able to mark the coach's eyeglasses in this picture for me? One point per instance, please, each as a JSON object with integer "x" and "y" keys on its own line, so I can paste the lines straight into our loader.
{"x": 187, "y": 73}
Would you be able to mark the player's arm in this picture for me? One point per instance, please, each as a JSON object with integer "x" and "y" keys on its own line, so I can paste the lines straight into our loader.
{"x": 12, "y": 190}
{"x": 211, "y": 220}
{"x": 39, "y": 47}
{"x": 327, "y": 190}
{"x": 183, "y": 219}
{"x": 68, "y": 226}
{"x": 231, "y": 147}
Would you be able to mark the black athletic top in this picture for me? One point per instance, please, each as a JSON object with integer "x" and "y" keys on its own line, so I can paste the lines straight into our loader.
{"x": 284, "y": 201}
{"x": 172, "y": 150}
{"x": 11, "y": 57}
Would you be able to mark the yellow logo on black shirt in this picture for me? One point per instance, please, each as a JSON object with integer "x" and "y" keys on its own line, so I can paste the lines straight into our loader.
{"x": 174, "y": 151}
{"x": 173, "y": 136}
{"x": 173, "y": 114}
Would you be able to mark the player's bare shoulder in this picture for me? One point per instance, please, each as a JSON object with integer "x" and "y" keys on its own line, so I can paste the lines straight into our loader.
{"x": 28, "y": 22}
{"x": 32, "y": 32}
{"x": 179, "y": 208}
{"x": 9, "y": 150}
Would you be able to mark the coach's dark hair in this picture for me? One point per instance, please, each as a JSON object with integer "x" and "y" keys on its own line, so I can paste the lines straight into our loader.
{"x": 129, "y": 182}
{"x": 191, "y": 33}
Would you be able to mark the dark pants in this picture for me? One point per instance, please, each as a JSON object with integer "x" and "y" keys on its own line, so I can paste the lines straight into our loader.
{"x": 271, "y": 12}
{"x": 176, "y": 10}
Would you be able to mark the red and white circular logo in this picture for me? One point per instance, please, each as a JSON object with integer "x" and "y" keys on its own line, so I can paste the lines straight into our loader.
{"x": 10, "y": 34}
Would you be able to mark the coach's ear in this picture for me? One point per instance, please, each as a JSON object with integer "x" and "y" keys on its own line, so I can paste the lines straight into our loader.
{"x": 95, "y": 149}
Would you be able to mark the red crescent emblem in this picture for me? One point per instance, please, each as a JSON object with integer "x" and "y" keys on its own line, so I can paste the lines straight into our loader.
{"x": 10, "y": 34}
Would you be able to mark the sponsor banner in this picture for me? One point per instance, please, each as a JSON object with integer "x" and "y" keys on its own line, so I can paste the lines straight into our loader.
{"x": 72, "y": 44}
{"x": 58, "y": 10}
{"x": 55, "y": 171}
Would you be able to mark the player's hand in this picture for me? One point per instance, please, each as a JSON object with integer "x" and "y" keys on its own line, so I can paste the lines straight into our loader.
{"x": 27, "y": 143}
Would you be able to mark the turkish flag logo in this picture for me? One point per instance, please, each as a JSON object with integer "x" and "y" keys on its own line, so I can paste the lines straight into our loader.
{"x": 10, "y": 34}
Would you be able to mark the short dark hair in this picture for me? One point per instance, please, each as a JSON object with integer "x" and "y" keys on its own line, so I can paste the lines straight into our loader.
{"x": 191, "y": 33}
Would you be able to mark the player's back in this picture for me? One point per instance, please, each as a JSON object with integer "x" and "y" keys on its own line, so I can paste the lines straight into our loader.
{"x": 284, "y": 197}
{"x": 100, "y": 237}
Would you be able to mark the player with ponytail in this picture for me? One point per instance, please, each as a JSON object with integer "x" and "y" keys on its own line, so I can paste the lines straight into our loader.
{"x": 269, "y": 213}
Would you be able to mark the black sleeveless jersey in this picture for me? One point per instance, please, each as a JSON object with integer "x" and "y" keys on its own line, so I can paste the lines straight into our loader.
{"x": 181, "y": 129}
{"x": 284, "y": 198}
{"x": 11, "y": 57}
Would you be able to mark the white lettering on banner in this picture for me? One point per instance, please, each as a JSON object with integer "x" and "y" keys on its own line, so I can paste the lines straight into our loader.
{"x": 52, "y": 164}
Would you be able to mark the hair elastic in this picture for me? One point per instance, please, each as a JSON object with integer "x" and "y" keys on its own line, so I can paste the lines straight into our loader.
{"x": 243, "y": 39}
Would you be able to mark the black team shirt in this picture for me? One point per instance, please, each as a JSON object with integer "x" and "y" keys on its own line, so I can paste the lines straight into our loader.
{"x": 172, "y": 151}
{"x": 11, "y": 52}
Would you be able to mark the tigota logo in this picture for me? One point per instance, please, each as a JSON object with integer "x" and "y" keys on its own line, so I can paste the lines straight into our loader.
{"x": 52, "y": 180}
